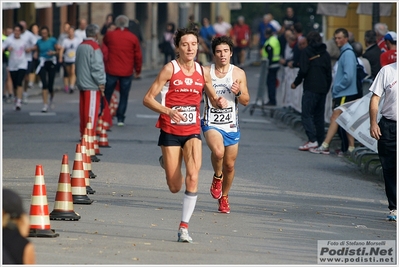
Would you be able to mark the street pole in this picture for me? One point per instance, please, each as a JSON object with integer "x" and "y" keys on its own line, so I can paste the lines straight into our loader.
{"x": 376, "y": 14}
{"x": 154, "y": 36}
{"x": 183, "y": 14}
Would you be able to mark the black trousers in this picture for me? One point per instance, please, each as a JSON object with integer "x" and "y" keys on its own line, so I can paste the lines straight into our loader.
{"x": 47, "y": 76}
{"x": 387, "y": 154}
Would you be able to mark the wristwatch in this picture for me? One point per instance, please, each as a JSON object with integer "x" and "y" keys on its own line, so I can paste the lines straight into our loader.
{"x": 238, "y": 94}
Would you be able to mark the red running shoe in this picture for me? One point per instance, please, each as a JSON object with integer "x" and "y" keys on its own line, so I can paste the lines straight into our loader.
{"x": 224, "y": 206}
{"x": 216, "y": 187}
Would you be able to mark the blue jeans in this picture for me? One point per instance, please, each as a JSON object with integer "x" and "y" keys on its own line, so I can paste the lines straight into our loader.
{"x": 313, "y": 106}
{"x": 125, "y": 84}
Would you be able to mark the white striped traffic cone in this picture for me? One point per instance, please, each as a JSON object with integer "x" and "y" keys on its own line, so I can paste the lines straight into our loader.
{"x": 90, "y": 140}
{"x": 103, "y": 140}
{"x": 86, "y": 157}
{"x": 78, "y": 183}
{"x": 63, "y": 207}
{"x": 39, "y": 215}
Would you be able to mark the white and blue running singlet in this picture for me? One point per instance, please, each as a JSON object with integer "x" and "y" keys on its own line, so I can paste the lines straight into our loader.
{"x": 226, "y": 119}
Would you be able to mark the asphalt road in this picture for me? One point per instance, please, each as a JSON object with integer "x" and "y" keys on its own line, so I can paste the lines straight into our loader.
{"x": 282, "y": 200}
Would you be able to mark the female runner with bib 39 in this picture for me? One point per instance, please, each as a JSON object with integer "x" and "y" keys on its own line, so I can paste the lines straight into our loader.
{"x": 180, "y": 83}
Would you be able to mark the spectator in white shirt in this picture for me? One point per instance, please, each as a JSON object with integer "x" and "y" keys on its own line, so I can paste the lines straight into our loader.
{"x": 17, "y": 63}
{"x": 67, "y": 56}
{"x": 221, "y": 27}
{"x": 30, "y": 40}
{"x": 80, "y": 33}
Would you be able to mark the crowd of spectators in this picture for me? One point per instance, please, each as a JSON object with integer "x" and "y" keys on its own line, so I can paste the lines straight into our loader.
{"x": 379, "y": 50}
{"x": 33, "y": 56}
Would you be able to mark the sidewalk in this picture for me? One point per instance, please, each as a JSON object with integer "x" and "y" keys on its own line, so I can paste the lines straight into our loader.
{"x": 36, "y": 90}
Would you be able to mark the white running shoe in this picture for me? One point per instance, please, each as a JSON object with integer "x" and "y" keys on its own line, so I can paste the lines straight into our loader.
{"x": 25, "y": 97}
{"x": 18, "y": 105}
{"x": 391, "y": 216}
{"x": 308, "y": 145}
{"x": 183, "y": 236}
{"x": 45, "y": 108}
{"x": 320, "y": 150}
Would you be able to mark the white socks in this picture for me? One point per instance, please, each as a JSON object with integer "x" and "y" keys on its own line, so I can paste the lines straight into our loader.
{"x": 189, "y": 201}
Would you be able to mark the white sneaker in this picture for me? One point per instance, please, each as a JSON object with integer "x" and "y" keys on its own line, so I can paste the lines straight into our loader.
{"x": 45, "y": 108}
{"x": 183, "y": 236}
{"x": 320, "y": 150}
{"x": 25, "y": 97}
{"x": 18, "y": 105}
{"x": 121, "y": 124}
{"x": 51, "y": 104}
{"x": 308, "y": 145}
{"x": 391, "y": 216}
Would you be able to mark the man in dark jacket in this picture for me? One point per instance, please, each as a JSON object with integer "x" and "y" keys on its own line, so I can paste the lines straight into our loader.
{"x": 124, "y": 57}
{"x": 315, "y": 70}
{"x": 373, "y": 52}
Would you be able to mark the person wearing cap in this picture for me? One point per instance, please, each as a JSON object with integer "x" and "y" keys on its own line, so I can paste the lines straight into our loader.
{"x": 389, "y": 56}
{"x": 17, "y": 249}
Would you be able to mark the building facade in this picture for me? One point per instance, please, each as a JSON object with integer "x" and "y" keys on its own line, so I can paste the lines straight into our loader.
{"x": 153, "y": 18}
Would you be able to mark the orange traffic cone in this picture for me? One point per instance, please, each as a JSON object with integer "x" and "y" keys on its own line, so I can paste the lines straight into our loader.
{"x": 106, "y": 126}
{"x": 39, "y": 217}
{"x": 83, "y": 148}
{"x": 103, "y": 142}
{"x": 86, "y": 158}
{"x": 99, "y": 125}
{"x": 96, "y": 147}
{"x": 114, "y": 103}
{"x": 90, "y": 139}
{"x": 106, "y": 114}
{"x": 78, "y": 183}
{"x": 63, "y": 207}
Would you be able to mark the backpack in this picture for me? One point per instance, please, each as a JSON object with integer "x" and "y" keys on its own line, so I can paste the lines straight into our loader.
{"x": 360, "y": 75}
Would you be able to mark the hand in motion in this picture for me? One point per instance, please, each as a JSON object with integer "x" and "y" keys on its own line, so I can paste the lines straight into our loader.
{"x": 221, "y": 102}
{"x": 235, "y": 87}
{"x": 375, "y": 132}
{"x": 176, "y": 116}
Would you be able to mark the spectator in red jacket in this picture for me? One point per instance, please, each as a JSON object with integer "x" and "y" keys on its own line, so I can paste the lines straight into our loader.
{"x": 124, "y": 58}
{"x": 240, "y": 35}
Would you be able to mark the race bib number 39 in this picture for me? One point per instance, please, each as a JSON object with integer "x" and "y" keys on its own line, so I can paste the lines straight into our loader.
{"x": 189, "y": 112}
{"x": 221, "y": 116}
